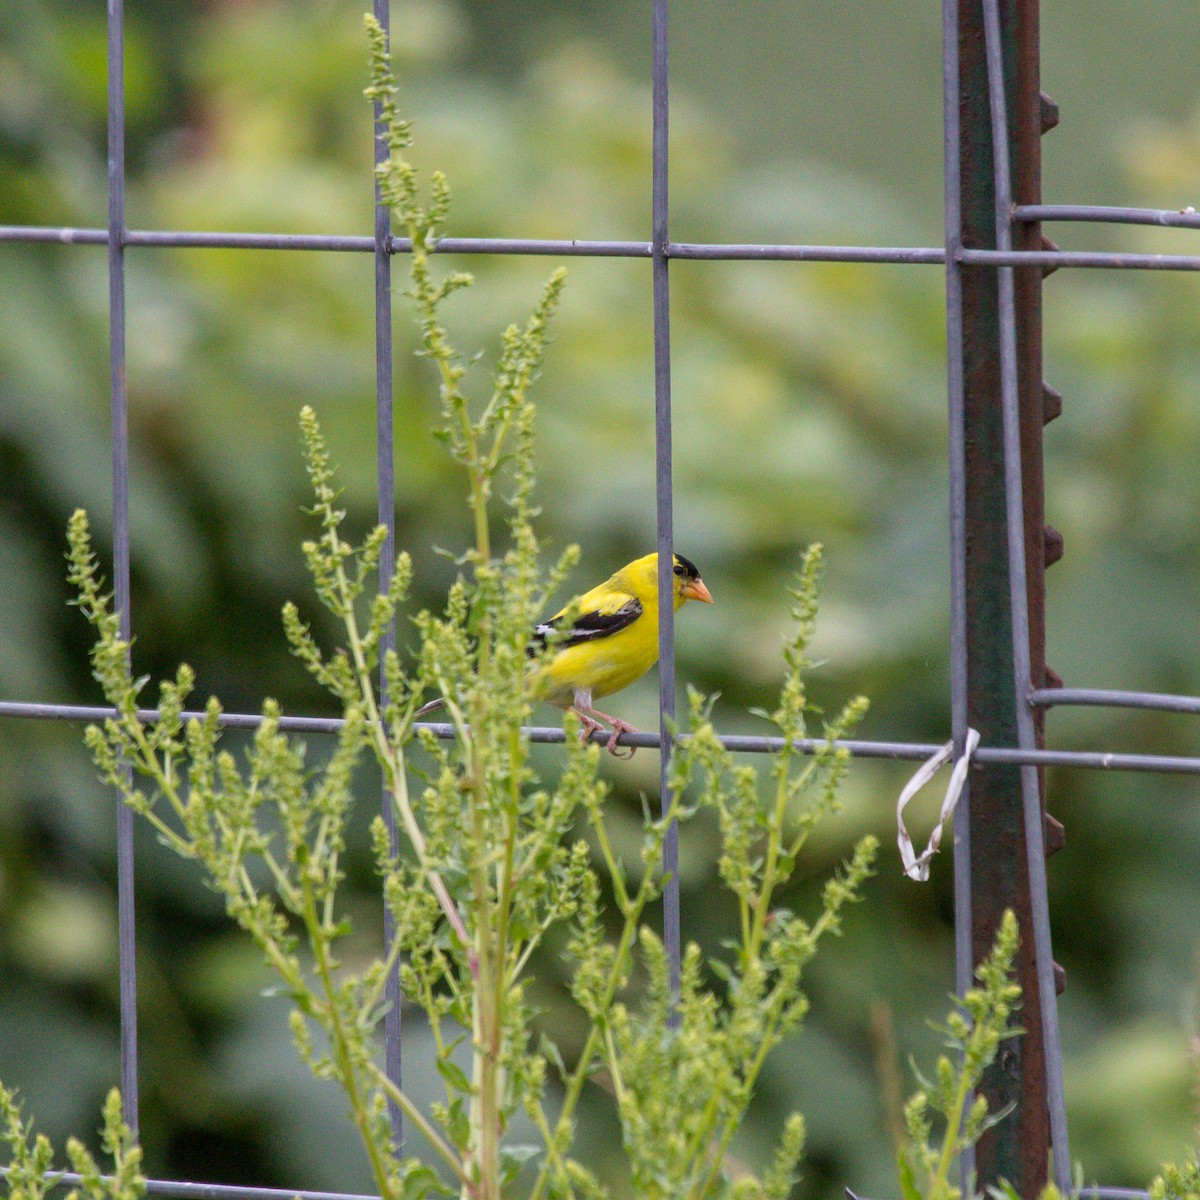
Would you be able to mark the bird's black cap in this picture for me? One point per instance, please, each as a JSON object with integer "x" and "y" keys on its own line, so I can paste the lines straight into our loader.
{"x": 688, "y": 567}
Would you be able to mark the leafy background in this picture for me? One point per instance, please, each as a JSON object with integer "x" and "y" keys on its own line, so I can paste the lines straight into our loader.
{"x": 809, "y": 402}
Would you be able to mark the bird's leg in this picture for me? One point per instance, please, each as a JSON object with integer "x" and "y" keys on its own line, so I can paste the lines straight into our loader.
{"x": 618, "y": 727}
{"x": 592, "y": 718}
{"x": 588, "y": 726}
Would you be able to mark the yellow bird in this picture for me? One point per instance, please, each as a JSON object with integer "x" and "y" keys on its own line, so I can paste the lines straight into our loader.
{"x": 611, "y": 642}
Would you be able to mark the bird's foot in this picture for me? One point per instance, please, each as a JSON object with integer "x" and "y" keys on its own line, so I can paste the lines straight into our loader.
{"x": 587, "y": 726}
{"x": 619, "y": 727}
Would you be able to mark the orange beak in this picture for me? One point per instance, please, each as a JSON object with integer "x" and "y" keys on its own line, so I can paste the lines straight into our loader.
{"x": 695, "y": 590}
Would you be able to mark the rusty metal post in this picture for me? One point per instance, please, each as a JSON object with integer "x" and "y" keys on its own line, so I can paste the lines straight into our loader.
{"x": 1017, "y": 1148}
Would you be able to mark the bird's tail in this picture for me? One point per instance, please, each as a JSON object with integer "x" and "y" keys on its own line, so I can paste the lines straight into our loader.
{"x": 432, "y": 706}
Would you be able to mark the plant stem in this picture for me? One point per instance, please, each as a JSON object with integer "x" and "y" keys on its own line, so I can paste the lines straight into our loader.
{"x": 340, "y": 1046}
{"x": 390, "y": 758}
{"x": 591, "y": 1044}
{"x": 937, "y": 1185}
{"x": 485, "y": 1102}
{"x": 442, "y": 1148}
{"x": 553, "y": 1158}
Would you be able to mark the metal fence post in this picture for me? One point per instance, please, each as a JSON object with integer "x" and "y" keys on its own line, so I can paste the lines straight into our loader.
{"x": 1017, "y": 1148}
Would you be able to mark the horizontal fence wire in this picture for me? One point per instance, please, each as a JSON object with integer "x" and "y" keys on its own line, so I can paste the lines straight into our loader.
{"x": 1049, "y": 259}
{"x": 703, "y": 251}
{"x": 1084, "y": 1193}
{"x": 1110, "y": 698}
{"x": 185, "y": 1190}
{"x": 1182, "y": 218}
{"x": 738, "y": 743}
{"x": 223, "y": 1191}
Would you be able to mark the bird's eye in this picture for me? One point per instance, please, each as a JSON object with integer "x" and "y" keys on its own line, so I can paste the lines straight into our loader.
{"x": 678, "y": 569}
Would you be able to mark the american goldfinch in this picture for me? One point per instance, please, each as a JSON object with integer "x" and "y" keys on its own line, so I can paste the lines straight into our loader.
{"x": 611, "y": 641}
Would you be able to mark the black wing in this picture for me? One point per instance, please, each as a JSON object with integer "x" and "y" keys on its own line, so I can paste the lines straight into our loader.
{"x": 588, "y": 626}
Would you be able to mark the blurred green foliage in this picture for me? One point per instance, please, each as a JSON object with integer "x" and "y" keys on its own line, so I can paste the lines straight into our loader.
{"x": 809, "y": 405}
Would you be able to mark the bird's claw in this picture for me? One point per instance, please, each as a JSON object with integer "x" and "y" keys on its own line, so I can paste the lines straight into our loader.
{"x": 618, "y": 728}
{"x": 589, "y": 725}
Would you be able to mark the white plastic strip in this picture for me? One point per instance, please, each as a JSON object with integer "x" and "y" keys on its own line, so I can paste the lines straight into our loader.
{"x": 916, "y": 866}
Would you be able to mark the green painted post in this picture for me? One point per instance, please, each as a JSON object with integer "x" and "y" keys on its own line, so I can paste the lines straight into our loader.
{"x": 1016, "y": 1149}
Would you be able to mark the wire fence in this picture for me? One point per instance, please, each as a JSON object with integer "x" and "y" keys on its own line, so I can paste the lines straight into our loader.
{"x": 1000, "y": 28}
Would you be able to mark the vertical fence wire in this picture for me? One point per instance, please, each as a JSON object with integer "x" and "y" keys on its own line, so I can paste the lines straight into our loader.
{"x": 385, "y": 466}
{"x": 958, "y": 469}
{"x": 663, "y": 481}
{"x": 126, "y": 933}
{"x": 1019, "y": 604}
{"x": 952, "y": 134}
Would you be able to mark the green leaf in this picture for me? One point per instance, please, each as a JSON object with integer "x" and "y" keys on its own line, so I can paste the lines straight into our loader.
{"x": 458, "y": 1124}
{"x": 419, "y": 1180}
{"x": 908, "y": 1181}
{"x": 513, "y": 1158}
{"x": 453, "y": 1074}
{"x": 721, "y": 969}
{"x": 551, "y": 1053}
